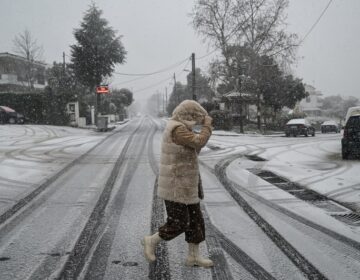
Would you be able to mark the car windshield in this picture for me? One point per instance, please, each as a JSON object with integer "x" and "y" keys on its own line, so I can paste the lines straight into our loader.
{"x": 353, "y": 122}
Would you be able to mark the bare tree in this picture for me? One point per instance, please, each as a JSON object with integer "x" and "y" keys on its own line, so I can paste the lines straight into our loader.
{"x": 244, "y": 31}
{"x": 256, "y": 24}
{"x": 27, "y": 47}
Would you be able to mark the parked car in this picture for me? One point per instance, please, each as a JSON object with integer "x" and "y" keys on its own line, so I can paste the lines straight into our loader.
{"x": 297, "y": 127}
{"x": 350, "y": 143}
{"x": 8, "y": 115}
{"x": 330, "y": 126}
{"x": 352, "y": 111}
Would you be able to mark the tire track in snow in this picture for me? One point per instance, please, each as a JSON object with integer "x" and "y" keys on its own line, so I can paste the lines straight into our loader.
{"x": 310, "y": 271}
{"x": 160, "y": 269}
{"x": 97, "y": 263}
{"x": 47, "y": 182}
{"x": 217, "y": 237}
{"x": 94, "y": 226}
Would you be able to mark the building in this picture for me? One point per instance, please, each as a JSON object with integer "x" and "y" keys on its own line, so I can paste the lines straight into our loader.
{"x": 236, "y": 102}
{"x": 311, "y": 105}
{"x": 15, "y": 77}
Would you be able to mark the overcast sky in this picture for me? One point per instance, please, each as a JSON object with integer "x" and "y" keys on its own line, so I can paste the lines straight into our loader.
{"x": 158, "y": 34}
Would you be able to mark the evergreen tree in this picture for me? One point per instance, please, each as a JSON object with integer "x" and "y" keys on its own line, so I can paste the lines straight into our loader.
{"x": 178, "y": 94}
{"x": 97, "y": 50}
{"x": 203, "y": 91}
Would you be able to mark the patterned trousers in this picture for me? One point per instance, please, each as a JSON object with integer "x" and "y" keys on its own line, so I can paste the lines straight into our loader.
{"x": 183, "y": 218}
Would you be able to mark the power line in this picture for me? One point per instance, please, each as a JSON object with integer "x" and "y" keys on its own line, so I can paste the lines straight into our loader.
{"x": 316, "y": 22}
{"x": 142, "y": 77}
{"x": 153, "y": 85}
{"x": 129, "y": 81}
{"x": 206, "y": 55}
{"x": 162, "y": 81}
{"x": 155, "y": 72}
{"x": 150, "y": 73}
{"x": 308, "y": 33}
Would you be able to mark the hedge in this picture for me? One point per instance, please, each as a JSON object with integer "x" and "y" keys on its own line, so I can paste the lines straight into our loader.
{"x": 31, "y": 105}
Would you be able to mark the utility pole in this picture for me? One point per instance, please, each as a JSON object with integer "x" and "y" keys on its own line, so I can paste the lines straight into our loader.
{"x": 193, "y": 77}
{"x": 240, "y": 100}
{"x": 158, "y": 101}
{"x": 64, "y": 62}
{"x": 258, "y": 114}
{"x": 163, "y": 102}
{"x": 166, "y": 100}
{"x": 177, "y": 97}
{"x": 98, "y": 82}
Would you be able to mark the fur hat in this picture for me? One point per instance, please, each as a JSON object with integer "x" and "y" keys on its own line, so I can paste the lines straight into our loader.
{"x": 189, "y": 112}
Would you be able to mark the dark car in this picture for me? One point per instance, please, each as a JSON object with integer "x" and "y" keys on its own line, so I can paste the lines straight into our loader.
{"x": 297, "y": 127}
{"x": 329, "y": 126}
{"x": 350, "y": 143}
{"x": 8, "y": 115}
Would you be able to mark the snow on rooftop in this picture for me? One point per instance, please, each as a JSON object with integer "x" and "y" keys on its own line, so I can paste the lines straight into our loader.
{"x": 329, "y": 123}
{"x": 297, "y": 121}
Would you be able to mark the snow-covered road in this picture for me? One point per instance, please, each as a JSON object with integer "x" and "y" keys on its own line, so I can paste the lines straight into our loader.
{"x": 75, "y": 203}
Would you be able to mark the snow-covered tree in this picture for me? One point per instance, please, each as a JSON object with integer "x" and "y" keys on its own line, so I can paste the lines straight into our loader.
{"x": 97, "y": 51}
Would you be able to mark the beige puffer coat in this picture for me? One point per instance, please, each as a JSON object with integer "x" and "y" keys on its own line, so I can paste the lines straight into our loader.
{"x": 179, "y": 171}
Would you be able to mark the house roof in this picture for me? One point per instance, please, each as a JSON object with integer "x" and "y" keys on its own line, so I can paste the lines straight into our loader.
{"x": 239, "y": 94}
{"x": 18, "y": 57}
{"x": 305, "y": 109}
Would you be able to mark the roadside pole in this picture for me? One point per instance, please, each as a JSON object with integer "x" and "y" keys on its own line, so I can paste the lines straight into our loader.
{"x": 100, "y": 89}
{"x": 166, "y": 100}
{"x": 193, "y": 77}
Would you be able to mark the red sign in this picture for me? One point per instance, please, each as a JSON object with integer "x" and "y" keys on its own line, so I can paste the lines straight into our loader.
{"x": 102, "y": 89}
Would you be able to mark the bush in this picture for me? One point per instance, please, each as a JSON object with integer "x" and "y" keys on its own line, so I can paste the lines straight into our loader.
{"x": 221, "y": 119}
{"x": 31, "y": 105}
{"x": 38, "y": 108}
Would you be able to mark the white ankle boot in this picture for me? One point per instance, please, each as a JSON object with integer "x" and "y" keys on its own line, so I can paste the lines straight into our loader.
{"x": 194, "y": 257}
{"x": 149, "y": 242}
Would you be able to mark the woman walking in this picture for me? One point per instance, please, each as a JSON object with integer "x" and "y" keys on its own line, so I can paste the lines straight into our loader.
{"x": 179, "y": 182}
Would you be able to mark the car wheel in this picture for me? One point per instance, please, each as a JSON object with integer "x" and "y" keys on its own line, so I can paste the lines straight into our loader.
{"x": 345, "y": 155}
{"x": 306, "y": 133}
{"x": 12, "y": 121}
{"x": 287, "y": 134}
